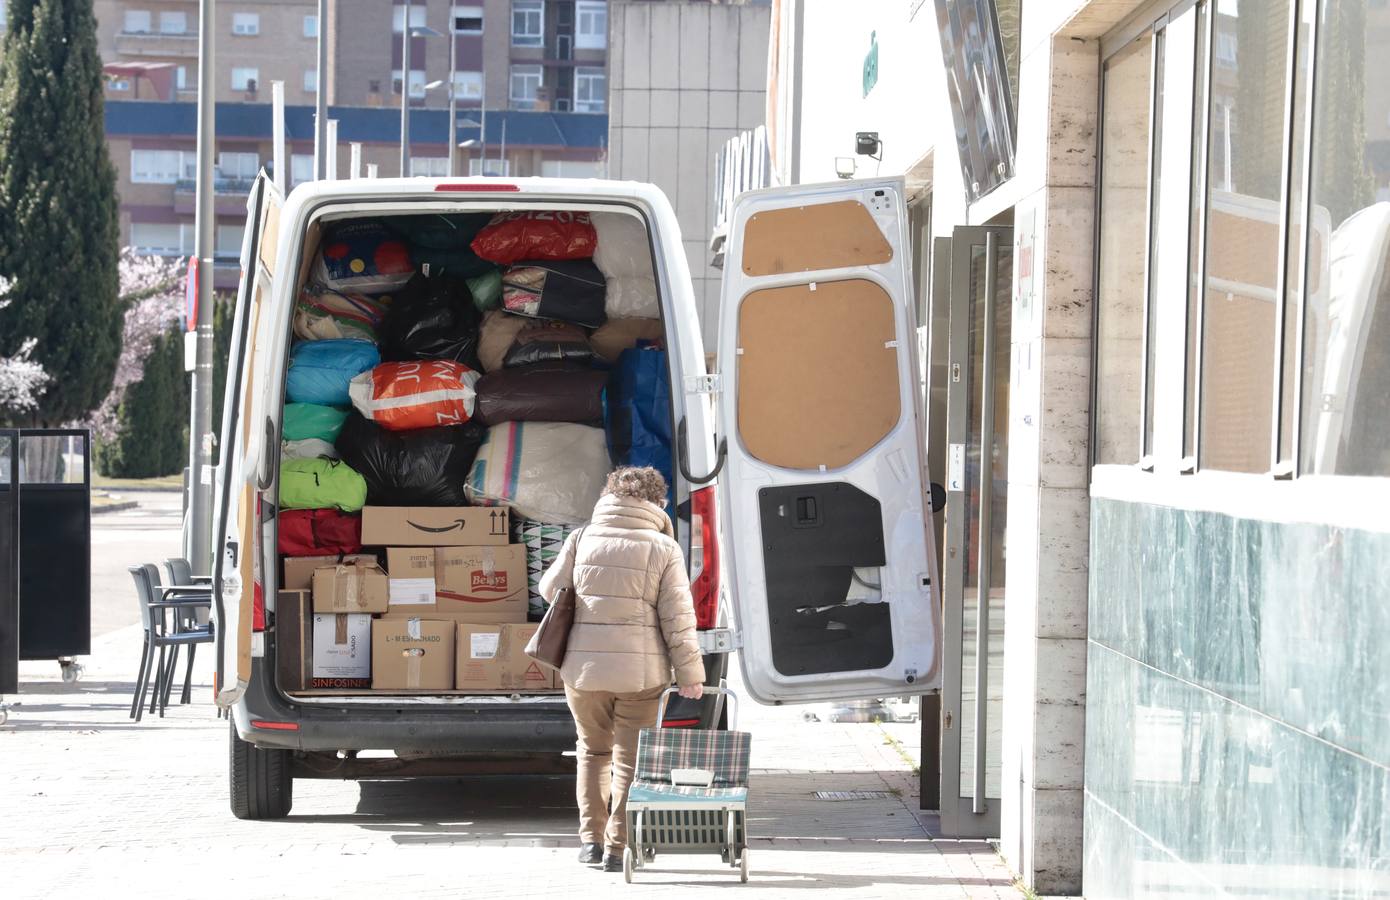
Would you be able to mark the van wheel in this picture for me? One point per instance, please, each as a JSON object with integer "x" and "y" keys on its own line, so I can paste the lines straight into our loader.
{"x": 260, "y": 780}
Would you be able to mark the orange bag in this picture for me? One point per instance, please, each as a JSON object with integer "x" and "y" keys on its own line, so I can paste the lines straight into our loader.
{"x": 426, "y": 393}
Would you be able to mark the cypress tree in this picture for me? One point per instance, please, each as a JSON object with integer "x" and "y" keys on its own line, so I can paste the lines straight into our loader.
{"x": 152, "y": 420}
{"x": 59, "y": 231}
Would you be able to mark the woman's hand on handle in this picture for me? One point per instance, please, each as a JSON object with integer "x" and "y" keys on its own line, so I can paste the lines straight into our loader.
{"x": 692, "y": 691}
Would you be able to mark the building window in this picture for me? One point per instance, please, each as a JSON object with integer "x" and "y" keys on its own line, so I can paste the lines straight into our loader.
{"x": 1242, "y": 248}
{"x": 161, "y": 238}
{"x": 181, "y": 78}
{"x": 528, "y": 23}
{"x": 591, "y": 24}
{"x": 468, "y": 19}
{"x": 429, "y": 166}
{"x": 417, "y": 17}
{"x": 245, "y": 79}
{"x": 136, "y": 21}
{"x": 242, "y": 166}
{"x": 311, "y": 81}
{"x": 1226, "y": 49}
{"x": 173, "y": 22}
{"x": 301, "y": 168}
{"x": 311, "y": 26}
{"x": 162, "y": 166}
{"x": 468, "y": 85}
{"x": 590, "y": 89}
{"x": 1124, "y": 210}
{"x": 227, "y": 241}
{"x": 571, "y": 168}
{"x": 525, "y": 86}
{"x": 1345, "y": 424}
{"x": 417, "y": 82}
{"x": 493, "y": 166}
{"x": 246, "y": 23}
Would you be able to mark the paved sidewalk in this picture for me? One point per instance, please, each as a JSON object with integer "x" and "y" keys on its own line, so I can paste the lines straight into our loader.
{"x": 92, "y": 800}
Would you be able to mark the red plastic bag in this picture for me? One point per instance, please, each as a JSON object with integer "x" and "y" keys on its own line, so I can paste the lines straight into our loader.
{"x": 420, "y": 394}
{"x": 319, "y": 532}
{"x": 514, "y": 236}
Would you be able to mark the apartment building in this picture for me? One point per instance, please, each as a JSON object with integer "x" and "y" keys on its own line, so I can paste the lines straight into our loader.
{"x": 145, "y": 42}
{"x": 509, "y": 54}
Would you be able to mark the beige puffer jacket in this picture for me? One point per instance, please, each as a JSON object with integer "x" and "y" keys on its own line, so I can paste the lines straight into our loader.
{"x": 634, "y": 618}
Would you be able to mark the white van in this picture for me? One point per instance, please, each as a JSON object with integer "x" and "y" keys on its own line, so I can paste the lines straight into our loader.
{"x": 827, "y": 563}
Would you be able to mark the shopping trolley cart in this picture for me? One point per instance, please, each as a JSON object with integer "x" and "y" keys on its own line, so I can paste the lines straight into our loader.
{"x": 689, "y": 792}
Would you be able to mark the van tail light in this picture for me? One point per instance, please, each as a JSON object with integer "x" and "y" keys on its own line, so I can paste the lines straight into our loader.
{"x": 704, "y": 557}
{"x": 257, "y": 578}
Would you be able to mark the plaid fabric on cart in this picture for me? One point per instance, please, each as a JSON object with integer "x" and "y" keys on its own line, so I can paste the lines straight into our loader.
{"x": 725, "y": 753}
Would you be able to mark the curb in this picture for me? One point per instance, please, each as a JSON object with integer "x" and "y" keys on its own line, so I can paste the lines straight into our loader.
{"x": 115, "y": 507}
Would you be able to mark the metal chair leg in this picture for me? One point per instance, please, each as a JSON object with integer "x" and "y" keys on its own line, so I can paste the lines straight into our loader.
{"x": 158, "y": 683}
{"x": 144, "y": 686}
{"x": 138, "y": 700}
{"x": 188, "y": 676}
{"x": 169, "y": 677}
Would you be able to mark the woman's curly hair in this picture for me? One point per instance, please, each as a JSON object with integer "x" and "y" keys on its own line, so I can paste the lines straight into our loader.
{"x": 642, "y": 482}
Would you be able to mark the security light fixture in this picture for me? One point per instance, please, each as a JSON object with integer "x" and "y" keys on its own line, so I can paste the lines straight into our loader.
{"x": 845, "y": 166}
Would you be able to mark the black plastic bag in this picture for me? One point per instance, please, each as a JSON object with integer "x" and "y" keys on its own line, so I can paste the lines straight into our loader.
{"x": 432, "y": 318}
{"x": 424, "y": 467}
{"x": 543, "y": 392}
{"x": 544, "y": 341}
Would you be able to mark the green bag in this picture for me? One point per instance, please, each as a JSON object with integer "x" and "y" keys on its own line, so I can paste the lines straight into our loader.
{"x": 321, "y": 483}
{"x": 311, "y": 420}
{"x": 486, "y": 290}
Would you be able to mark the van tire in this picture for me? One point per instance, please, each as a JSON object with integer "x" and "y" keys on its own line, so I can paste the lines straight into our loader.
{"x": 260, "y": 781}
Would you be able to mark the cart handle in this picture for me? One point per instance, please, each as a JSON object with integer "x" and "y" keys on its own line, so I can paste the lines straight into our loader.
{"x": 722, "y": 690}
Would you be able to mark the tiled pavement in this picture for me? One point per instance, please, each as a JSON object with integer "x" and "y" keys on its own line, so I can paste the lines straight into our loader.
{"x": 92, "y": 802}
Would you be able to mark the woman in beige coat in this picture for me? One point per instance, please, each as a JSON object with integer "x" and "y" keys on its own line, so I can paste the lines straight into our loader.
{"x": 634, "y": 621}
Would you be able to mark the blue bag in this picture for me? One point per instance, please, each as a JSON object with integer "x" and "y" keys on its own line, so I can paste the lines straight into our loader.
{"x": 320, "y": 370}
{"x": 637, "y": 411}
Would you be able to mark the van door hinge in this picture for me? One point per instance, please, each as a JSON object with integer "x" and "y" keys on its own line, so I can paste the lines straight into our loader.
{"x": 719, "y": 640}
{"x": 703, "y": 384}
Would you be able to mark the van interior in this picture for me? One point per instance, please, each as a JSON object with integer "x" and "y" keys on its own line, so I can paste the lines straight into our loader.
{"x": 455, "y": 355}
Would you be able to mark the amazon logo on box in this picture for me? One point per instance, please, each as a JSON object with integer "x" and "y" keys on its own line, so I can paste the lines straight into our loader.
{"x": 435, "y": 526}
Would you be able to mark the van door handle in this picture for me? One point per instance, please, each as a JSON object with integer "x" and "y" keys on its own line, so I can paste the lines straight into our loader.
{"x": 263, "y": 471}
{"x": 720, "y": 454}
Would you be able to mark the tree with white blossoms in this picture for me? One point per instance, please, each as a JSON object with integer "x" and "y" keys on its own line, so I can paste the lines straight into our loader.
{"x": 22, "y": 380}
{"x": 151, "y": 291}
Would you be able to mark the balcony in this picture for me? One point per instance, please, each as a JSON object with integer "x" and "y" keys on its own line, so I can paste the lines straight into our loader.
{"x": 229, "y": 195}
{"x": 142, "y": 43}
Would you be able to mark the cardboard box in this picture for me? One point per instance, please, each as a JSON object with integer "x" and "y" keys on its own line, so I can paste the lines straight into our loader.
{"x": 294, "y": 655}
{"x": 412, "y": 579}
{"x": 350, "y": 589}
{"x": 299, "y": 570}
{"x": 481, "y": 584}
{"x": 435, "y": 526}
{"x": 342, "y": 650}
{"x": 413, "y": 653}
{"x": 493, "y": 658}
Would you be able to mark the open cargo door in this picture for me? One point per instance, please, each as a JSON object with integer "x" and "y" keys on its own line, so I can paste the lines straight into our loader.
{"x": 827, "y": 526}
{"x": 236, "y": 571}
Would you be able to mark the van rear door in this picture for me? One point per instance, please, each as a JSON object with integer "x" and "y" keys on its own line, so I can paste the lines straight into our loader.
{"x": 236, "y": 529}
{"x": 827, "y": 525}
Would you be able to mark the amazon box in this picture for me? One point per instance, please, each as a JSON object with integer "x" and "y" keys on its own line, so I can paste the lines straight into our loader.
{"x": 299, "y": 570}
{"x": 493, "y": 658}
{"x": 435, "y": 526}
{"x": 342, "y": 650}
{"x": 481, "y": 584}
{"x": 412, "y": 579}
{"x": 413, "y": 654}
{"x": 350, "y": 589}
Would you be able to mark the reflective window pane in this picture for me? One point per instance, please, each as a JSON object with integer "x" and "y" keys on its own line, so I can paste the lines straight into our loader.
{"x": 1120, "y": 291}
{"x": 1345, "y": 428}
{"x": 1245, "y": 145}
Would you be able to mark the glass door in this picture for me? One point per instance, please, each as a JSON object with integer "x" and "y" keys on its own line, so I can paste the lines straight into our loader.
{"x": 977, "y": 492}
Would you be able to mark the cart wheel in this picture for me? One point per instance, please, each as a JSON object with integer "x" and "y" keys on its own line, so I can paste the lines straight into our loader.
{"x": 4, "y": 716}
{"x": 72, "y": 670}
{"x": 648, "y": 854}
{"x": 629, "y": 861}
{"x": 743, "y": 867}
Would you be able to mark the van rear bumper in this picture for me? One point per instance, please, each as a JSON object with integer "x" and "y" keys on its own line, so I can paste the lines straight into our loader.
{"x": 267, "y": 719}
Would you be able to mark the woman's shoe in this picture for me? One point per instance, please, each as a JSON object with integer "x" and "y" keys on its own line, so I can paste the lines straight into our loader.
{"x": 612, "y": 863}
{"x": 590, "y": 854}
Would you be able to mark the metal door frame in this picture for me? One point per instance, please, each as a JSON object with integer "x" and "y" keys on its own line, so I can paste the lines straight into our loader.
{"x": 9, "y": 566}
{"x": 976, "y": 816}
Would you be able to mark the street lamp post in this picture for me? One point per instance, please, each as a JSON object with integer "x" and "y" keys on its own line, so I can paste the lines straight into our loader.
{"x": 407, "y": 32}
